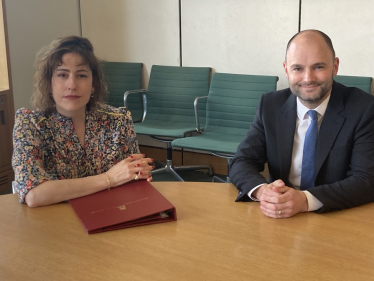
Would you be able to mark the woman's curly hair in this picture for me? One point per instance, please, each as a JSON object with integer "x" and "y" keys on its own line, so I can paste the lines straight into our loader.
{"x": 50, "y": 57}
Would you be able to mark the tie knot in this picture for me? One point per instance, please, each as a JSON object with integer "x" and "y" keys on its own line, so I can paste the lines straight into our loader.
{"x": 312, "y": 114}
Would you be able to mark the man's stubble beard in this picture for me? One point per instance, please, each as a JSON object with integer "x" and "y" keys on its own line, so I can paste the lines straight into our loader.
{"x": 320, "y": 95}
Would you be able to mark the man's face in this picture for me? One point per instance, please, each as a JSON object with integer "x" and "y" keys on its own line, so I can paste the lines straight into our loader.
{"x": 310, "y": 68}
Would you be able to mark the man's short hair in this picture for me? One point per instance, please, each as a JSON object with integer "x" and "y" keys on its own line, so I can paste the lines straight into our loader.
{"x": 324, "y": 36}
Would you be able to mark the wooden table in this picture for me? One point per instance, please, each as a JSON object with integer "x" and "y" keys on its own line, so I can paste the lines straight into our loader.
{"x": 213, "y": 239}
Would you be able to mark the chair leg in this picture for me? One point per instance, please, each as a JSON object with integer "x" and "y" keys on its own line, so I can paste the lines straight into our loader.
{"x": 193, "y": 168}
{"x": 175, "y": 174}
{"x": 167, "y": 169}
{"x": 216, "y": 178}
{"x": 170, "y": 168}
{"x": 158, "y": 163}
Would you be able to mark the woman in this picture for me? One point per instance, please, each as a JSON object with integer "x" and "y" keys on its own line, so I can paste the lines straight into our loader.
{"x": 73, "y": 144}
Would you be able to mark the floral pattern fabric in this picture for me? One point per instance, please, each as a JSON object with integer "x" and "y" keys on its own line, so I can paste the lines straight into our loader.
{"x": 48, "y": 148}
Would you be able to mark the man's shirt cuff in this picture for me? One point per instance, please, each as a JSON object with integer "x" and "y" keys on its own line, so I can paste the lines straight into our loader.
{"x": 251, "y": 191}
{"x": 313, "y": 202}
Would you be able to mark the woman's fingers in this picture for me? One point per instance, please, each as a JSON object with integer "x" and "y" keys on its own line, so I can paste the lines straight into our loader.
{"x": 134, "y": 167}
{"x": 134, "y": 157}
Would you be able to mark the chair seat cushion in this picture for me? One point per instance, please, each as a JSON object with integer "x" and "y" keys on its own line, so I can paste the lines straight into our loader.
{"x": 210, "y": 141}
{"x": 164, "y": 128}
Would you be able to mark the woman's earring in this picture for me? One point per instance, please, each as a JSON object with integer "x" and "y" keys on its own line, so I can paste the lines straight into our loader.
{"x": 92, "y": 94}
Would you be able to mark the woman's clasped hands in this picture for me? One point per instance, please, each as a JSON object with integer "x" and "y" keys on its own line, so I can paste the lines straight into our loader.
{"x": 134, "y": 167}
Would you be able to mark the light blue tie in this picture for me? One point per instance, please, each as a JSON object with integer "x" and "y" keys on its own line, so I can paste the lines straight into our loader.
{"x": 309, "y": 152}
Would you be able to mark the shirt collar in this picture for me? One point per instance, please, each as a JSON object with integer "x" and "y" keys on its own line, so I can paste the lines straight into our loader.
{"x": 302, "y": 109}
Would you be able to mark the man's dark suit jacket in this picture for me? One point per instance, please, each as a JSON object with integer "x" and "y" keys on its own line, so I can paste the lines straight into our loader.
{"x": 344, "y": 167}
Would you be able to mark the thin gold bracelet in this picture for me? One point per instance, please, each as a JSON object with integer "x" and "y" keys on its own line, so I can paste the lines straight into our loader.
{"x": 107, "y": 180}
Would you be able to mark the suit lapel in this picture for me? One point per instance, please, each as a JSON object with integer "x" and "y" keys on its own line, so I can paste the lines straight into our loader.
{"x": 286, "y": 123}
{"x": 330, "y": 127}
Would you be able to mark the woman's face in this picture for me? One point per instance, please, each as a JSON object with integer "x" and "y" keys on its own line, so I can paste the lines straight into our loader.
{"x": 72, "y": 85}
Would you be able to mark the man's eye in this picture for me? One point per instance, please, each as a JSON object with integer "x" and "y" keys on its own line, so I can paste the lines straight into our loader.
{"x": 297, "y": 69}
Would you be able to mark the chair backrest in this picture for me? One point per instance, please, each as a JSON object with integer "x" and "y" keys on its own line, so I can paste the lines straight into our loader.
{"x": 172, "y": 90}
{"x": 122, "y": 77}
{"x": 363, "y": 83}
{"x": 233, "y": 99}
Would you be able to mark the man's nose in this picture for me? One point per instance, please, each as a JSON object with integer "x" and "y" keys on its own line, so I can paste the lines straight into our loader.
{"x": 309, "y": 76}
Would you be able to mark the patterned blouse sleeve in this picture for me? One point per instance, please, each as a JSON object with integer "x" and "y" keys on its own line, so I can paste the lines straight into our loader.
{"x": 27, "y": 159}
{"x": 129, "y": 133}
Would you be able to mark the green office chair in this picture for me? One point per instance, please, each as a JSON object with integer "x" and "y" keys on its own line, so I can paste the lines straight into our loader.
{"x": 123, "y": 77}
{"x": 230, "y": 109}
{"x": 363, "y": 83}
{"x": 168, "y": 107}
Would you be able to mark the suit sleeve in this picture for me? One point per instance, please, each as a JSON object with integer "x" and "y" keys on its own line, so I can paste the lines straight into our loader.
{"x": 250, "y": 158}
{"x": 358, "y": 187}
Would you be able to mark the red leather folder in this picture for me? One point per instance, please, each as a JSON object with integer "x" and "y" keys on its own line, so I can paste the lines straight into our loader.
{"x": 132, "y": 204}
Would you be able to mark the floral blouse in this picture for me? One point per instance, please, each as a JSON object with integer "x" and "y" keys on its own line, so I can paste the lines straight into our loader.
{"x": 48, "y": 148}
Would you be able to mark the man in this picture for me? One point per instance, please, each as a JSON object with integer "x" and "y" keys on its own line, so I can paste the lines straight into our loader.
{"x": 317, "y": 136}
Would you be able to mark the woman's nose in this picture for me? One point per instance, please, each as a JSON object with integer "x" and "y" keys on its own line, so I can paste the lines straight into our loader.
{"x": 71, "y": 83}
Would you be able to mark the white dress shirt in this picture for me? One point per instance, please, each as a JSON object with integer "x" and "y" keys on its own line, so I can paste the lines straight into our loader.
{"x": 302, "y": 123}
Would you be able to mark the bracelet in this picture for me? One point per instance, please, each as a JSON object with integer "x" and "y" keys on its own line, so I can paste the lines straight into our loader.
{"x": 107, "y": 180}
